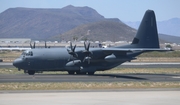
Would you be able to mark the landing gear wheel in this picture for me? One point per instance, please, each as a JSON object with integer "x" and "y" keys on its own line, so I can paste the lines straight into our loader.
{"x": 71, "y": 72}
{"x": 31, "y": 72}
{"x": 80, "y": 73}
{"x": 90, "y": 73}
{"x": 83, "y": 73}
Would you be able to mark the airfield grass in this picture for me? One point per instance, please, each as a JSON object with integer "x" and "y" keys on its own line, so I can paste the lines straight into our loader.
{"x": 9, "y": 54}
{"x": 87, "y": 85}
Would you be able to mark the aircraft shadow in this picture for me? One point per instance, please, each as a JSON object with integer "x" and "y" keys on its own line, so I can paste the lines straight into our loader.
{"x": 137, "y": 76}
{"x": 121, "y": 76}
{"x": 125, "y": 76}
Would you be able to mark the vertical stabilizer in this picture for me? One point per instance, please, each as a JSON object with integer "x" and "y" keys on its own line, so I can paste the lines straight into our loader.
{"x": 147, "y": 36}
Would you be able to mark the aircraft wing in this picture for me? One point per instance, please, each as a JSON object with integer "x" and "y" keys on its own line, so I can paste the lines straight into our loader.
{"x": 125, "y": 50}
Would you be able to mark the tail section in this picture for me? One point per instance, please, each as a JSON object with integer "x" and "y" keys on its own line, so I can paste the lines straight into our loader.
{"x": 147, "y": 36}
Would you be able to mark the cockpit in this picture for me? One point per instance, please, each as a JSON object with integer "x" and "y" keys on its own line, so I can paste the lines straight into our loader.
{"x": 27, "y": 53}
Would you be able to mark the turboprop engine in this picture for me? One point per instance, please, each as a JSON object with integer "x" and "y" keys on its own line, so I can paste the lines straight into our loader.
{"x": 73, "y": 65}
{"x": 110, "y": 58}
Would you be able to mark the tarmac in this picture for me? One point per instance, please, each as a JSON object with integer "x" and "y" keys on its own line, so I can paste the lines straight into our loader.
{"x": 5, "y": 78}
{"x": 116, "y": 97}
{"x": 93, "y": 97}
{"x": 97, "y": 77}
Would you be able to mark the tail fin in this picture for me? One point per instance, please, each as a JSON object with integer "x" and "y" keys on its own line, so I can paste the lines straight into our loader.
{"x": 147, "y": 36}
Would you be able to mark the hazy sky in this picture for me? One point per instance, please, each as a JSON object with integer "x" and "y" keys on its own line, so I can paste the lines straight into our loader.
{"x": 125, "y": 10}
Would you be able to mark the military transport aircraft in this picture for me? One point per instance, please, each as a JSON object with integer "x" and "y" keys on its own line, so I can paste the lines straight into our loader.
{"x": 89, "y": 60}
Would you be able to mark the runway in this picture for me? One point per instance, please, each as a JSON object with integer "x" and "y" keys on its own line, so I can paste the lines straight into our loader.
{"x": 87, "y": 78}
{"x": 141, "y": 97}
{"x": 96, "y": 77}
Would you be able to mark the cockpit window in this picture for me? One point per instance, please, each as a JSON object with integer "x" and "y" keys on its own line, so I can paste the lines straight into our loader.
{"x": 27, "y": 53}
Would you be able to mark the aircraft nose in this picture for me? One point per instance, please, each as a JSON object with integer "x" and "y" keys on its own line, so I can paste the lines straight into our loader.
{"x": 17, "y": 62}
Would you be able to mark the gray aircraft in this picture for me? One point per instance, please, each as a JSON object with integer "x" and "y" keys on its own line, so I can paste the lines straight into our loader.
{"x": 87, "y": 59}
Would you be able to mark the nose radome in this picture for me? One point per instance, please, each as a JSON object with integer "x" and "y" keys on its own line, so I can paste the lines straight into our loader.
{"x": 17, "y": 62}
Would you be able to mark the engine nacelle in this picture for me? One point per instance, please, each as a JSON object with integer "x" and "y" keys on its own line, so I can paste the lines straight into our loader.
{"x": 88, "y": 69}
{"x": 73, "y": 65}
{"x": 110, "y": 58}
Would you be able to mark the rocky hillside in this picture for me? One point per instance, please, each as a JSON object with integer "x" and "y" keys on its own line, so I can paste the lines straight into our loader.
{"x": 105, "y": 31}
{"x": 99, "y": 31}
{"x": 44, "y": 23}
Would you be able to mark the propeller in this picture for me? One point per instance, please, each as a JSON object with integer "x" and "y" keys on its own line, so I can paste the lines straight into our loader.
{"x": 72, "y": 52}
{"x": 87, "y": 52}
{"x": 34, "y": 45}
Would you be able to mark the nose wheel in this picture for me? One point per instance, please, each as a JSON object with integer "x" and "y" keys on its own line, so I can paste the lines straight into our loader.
{"x": 31, "y": 72}
{"x": 71, "y": 72}
{"x": 91, "y": 73}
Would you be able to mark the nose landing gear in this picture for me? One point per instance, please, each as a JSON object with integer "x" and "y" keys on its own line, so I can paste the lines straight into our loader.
{"x": 31, "y": 72}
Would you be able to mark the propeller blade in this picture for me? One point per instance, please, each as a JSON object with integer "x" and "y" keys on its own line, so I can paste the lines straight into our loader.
{"x": 31, "y": 45}
{"x": 88, "y": 46}
{"x": 71, "y": 46}
{"x": 88, "y": 60}
{"x": 85, "y": 45}
{"x": 76, "y": 55}
{"x": 87, "y": 53}
{"x": 74, "y": 48}
{"x": 45, "y": 45}
{"x": 84, "y": 59}
{"x": 72, "y": 52}
{"x": 68, "y": 50}
{"x": 34, "y": 45}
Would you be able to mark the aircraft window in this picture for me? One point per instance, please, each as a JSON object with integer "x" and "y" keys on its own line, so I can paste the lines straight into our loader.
{"x": 31, "y": 53}
{"x": 27, "y": 53}
{"x": 23, "y": 53}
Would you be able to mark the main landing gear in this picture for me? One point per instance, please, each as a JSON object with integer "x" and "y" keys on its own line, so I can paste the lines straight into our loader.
{"x": 80, "y": 73}
{"x": 30, "y": 72}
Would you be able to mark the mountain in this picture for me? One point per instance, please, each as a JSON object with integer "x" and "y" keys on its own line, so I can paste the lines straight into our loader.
{"x": 67, "y": 23}
{"x": 44, "y": 23}
{"x": 169, "y": 27}
{"x": 100, "y": 31}
{"x": 169, "y": 38}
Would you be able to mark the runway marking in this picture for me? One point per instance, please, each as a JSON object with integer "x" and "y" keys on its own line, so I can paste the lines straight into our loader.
{"x": 157, "y": 63}
{"x": 176, "y": 77}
